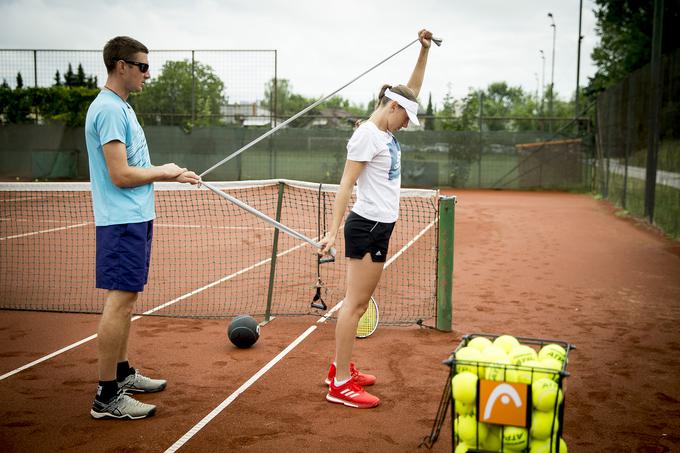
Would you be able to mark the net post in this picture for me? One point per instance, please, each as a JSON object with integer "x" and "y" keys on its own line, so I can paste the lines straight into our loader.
{"x": 447, "y": 209}
{"x": 275, "y": 249}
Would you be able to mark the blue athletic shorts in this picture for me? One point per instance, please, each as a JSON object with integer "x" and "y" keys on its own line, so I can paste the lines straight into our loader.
{"x": 123, "y": 256}
{"x": 364, "y": 236}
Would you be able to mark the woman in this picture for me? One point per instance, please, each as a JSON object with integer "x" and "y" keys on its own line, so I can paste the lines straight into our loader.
{"x": 374, "y": 164}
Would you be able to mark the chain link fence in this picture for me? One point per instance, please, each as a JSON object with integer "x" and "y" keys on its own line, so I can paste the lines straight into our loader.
{"x": 187, "y": 87}
{"x": 623, "y": 120}
{"x": 201, "y": 105}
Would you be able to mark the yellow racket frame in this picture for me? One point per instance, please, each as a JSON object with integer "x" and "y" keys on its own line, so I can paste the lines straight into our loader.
{"x": 368, "y": 322}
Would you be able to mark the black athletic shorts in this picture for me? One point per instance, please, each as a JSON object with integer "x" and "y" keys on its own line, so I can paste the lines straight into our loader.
{"x": 364, "y": 236}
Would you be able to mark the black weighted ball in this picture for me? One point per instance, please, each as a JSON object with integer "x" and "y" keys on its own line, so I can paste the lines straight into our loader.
{"x": 243, "y": 331}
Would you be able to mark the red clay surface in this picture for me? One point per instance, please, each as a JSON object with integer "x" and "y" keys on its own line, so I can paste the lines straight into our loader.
{"x": 545, "y": 265}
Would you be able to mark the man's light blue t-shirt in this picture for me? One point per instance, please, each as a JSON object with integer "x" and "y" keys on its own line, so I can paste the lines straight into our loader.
{"x": 110, "y": 118}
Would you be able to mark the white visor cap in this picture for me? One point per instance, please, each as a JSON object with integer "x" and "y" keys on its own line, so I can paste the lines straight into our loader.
{"x": 410, "y": 106}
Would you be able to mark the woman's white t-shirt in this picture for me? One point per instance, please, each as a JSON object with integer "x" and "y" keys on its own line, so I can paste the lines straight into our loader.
{"x": 379, "y": 182}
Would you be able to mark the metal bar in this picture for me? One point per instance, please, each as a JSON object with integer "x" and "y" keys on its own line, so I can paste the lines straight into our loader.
{"x": 654, "y": 111}
{"x": 275, "y": 247}
{"x": 447, "y": 209}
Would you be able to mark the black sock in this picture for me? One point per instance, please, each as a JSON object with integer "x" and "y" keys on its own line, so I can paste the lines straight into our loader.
{"x": 106, "y": 391}
{"x": 123, "y": 370}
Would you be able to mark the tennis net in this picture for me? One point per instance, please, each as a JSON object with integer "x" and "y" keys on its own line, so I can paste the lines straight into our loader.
{"x": 210, "y": 259}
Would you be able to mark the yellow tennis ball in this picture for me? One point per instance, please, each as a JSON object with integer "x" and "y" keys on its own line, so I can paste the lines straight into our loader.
{"x": 506, "y": 342}
{"x": 498, "y": 371}
{"x": 543, "y": 424}
{"x": 521, "y": 354}
{"x": 491, "y": 354}
{"x": 544, "y": 393}
{"x": 455, "y": 430}
{"x": 470, "y": 431}
{"x": 461, "y": 448}
{"x": 553, "y": 351}
{"x": 479, "y": 343}
{"x": 493, "y": 438}
{"x": 465, "y": 408}
{"x": 464, "y": 387}
{"x": 554, "y": 365}
{"x": 515, "y": 438}
{"x": 468, "y": 354}
{"x": 545, "y": 446}
{"x": 525, "y": 373}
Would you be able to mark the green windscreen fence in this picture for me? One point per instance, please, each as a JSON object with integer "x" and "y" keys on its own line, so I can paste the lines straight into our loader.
{"x": 430, "y": 159}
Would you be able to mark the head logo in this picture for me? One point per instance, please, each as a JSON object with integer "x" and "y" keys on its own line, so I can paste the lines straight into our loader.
{"x": 503, "y": 403}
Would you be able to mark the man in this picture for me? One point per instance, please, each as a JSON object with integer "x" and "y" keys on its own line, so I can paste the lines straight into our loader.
{"x": 122, "y": 196}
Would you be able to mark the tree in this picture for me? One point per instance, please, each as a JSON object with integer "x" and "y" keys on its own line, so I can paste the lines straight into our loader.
{"x": 289, "y": 103}
{"x": 80, "y": 76}
{"x": 4, "y": 85}
{"x": 20, "y": 81}
{"x": 168, "y": 98}
{"x": 57, "y": 79}
{"x": 429, "y": 113}
{"x": 69, "y": 77}
{"x": 283, "y": 103}
{"x": 499, "y": 100}
{"x": 625, "y": 30}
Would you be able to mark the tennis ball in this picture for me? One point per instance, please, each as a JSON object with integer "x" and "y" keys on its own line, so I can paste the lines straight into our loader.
{"x": 553, "y": 351}
{"x": 506, "y": 342}
{"x": 515, "y": 438}
{"x": 491, "y": 354}
{"x": 525, "y": 373}
{"x": 461, "y": 448}
{"x": 480, "y": 343}
{"x": 493, "y": 438}
{"x": 470, "y": 431}
{"x": 554, "y": 365}
{"x": 544, "y": 393}
{"x": 543, "y": 424}
{"x": 465, "y": 408}
{"x": 497, "y": 371}
{"x": 545, "y": 446}
{"x": 468, "y": 354}
{"x": 521, "y": 354}
{"x": 464, "y": 387}
{"x": 455, "y": 430}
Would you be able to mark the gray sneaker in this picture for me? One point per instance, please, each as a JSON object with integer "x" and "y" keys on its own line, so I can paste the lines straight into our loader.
{"x": 122, "y": 406}
{"x": 138, "y": 383}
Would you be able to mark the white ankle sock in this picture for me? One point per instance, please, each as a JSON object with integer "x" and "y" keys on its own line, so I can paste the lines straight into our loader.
{"x": 339, "y": 383}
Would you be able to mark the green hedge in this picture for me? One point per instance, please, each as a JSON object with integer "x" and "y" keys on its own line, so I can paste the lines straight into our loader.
{"x": 31, "y": 105}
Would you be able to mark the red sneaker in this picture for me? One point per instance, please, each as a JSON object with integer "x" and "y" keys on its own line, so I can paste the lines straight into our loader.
{"x": 351, "y": 394}
{"x": 360, "y": 378}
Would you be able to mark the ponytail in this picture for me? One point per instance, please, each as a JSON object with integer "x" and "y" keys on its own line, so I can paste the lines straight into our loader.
{"x": 399, "y": 89}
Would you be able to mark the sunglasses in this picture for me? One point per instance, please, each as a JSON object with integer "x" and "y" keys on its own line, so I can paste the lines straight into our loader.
{"x": 143, "y": 67}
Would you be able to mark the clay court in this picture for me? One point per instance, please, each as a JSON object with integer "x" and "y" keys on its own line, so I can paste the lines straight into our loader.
{"x": 538, "y": 264}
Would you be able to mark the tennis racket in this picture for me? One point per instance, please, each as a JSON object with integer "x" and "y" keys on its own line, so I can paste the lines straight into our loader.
{"x": 368, "y": 322}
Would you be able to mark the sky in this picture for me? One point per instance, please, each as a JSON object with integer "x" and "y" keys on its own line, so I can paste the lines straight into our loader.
{"x": 322, "y": 45}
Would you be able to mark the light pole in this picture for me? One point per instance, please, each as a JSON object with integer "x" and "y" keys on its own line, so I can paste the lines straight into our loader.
{"x": 552, "y": 76}
{"x": 578, "y": 60}
{"x": 537, "y": 83}
{"x": 542, "y": 80}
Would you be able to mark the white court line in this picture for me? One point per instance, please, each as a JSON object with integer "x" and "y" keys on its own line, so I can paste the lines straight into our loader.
{"x": 160, "y": 307}
{"x": 45, "y": 231}
{"x": 230, "y": 399}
